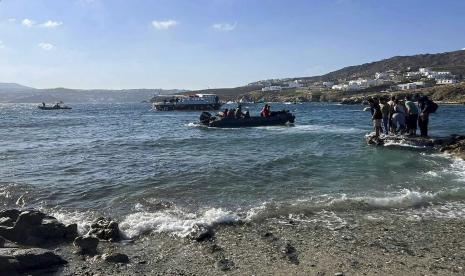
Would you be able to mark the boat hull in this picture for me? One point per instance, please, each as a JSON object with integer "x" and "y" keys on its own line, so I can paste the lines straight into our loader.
{"x": 170, "y": 107}
{"x": 280, "y": 118}
{"x": 53, "y": 108}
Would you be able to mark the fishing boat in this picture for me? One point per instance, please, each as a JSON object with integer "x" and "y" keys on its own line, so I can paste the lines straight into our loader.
{"x": 56, "y": 106}
{"x": 276, "y": 118}
{"x": 187, "y": 102}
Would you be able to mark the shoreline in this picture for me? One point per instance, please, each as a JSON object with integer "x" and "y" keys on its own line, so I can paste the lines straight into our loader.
{"x": 359, "y": 242}
{"x": 366, "y": 246}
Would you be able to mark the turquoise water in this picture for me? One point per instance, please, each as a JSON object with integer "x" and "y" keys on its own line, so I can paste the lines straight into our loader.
{"x": 151, "y": 168}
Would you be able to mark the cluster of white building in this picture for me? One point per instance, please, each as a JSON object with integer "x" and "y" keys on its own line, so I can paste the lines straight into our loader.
{"x": 358, "y": 84}
{"x": 285, "y": 85}
{"x": 441, "y": 77}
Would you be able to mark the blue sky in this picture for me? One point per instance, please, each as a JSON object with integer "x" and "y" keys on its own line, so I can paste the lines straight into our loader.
{"x": 195, "y": 44}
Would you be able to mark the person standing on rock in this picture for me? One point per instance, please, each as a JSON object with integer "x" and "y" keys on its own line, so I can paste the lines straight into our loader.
{"x": 412, "y": 115}
{"x": 426, "y": 107}
{"x": 391, "y": 104}
{"x": 377, "y": 115}
{"x": 398, "y": 117}
{"x": 385, "y": 111}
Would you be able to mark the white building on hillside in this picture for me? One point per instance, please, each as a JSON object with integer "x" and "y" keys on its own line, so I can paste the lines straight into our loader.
{"x": 445, "y": 81}
{"x": 272, "y": 88}
{"x": 293, "y": 84}
{"x": 424, "y": 71}
{"x": 407, "y": 86}
{"x": 413, "y": 74}
{"x": 381, "y": 75}
{"x": 328, "y": 84}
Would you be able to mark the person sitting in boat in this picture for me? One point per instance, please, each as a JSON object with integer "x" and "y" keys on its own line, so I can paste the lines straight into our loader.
{"x": 224, "y": 114}
{"x": 238, "y": 112}
{"x": 265, "y": 111}
{"x": 43, "y": 104}
{"x": 230, "y": 113}
{"x": 247, "y": 114}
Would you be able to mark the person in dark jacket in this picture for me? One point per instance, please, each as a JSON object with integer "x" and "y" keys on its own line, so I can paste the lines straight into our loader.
{"x": 423, "y": 119}
{"x": 376, "y": 115}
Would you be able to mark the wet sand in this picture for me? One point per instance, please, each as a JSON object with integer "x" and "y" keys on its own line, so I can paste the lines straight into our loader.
{"x": 364, "y": 246}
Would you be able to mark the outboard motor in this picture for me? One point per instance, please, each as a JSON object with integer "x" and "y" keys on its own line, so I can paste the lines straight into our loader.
{"x": 205, "y": 117}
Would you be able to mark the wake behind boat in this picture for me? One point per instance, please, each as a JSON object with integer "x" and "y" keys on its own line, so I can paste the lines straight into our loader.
{"x": 56, "y": 106}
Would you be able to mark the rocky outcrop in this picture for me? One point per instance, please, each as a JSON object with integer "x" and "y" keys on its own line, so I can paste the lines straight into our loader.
{"x": 86, "y": 245}
{"x": 34, "y": 228}
{"x": 14, "y": 261}
{"x": 353, "y": 100}
{"x": 105, "y": 229}
{"x": 454, "y": 144}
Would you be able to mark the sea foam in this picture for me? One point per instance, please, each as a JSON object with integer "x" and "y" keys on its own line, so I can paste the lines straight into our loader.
{"x": 173, "y": 221}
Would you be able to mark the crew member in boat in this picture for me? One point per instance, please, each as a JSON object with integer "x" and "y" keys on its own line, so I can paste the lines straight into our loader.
{"x": 265, "y": 111}
{"x": 238, "y": 112}
{"x": 223, "y": 114}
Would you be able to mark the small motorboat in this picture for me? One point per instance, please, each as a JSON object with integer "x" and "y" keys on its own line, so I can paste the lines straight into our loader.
{"x": 275, "y": 118}
{"x": 53, "y": 107}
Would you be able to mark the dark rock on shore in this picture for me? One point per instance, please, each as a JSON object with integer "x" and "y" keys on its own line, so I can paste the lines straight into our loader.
{"x": 115, "y": 258}
{"x": 86, "y": 245}
{"x": 202, "y": 233}
{"x": 14, "y": 261}
{"x": 34, "y": 228}
{"x": 353, "y": 100}
{"x": 225, "y": 264}
{"x": 454, "y": 144}
{"x": 105, "y": 229}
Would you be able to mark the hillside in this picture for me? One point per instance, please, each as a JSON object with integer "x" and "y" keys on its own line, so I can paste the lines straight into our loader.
{"x": 449, "y": 61}
{"x": 16, "y": 93}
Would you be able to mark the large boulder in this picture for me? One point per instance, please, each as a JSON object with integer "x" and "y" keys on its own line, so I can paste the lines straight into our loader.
{"x": 105, "y": 229}
{"x": 14, "y": 261}
{"x": 86, "y": 245}
{"x": 36, "y": 228}
{"x": 11, "y": 213}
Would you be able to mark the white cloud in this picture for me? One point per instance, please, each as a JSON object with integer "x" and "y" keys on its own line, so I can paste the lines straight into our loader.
{"x": 45, "y": 46}
{"x": 47, "y": 24}
{"x": 163, "y": 25}
{"x": 2, "y": 45}
{"x": 224, "y": 27}
{"x": 28, "y": 23}
{"x": 51, "y": 24}
{"x": 463, "y": 49}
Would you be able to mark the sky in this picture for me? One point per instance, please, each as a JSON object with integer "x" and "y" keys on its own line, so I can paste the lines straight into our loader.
{"x": 198, "y": 44}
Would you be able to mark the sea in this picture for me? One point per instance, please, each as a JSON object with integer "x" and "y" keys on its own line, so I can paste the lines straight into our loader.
{"x": 162, "y": 172}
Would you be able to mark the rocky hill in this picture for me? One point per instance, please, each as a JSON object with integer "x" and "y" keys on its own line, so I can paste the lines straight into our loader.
{"x": 449, "y": 61}
{"x": 16, "y": 93}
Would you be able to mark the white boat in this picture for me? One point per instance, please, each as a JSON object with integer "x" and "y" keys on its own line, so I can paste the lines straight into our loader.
{"x": 187, "y": 102}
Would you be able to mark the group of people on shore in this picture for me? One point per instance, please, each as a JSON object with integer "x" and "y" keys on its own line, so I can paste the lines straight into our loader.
{"x": 397, "y": 116}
